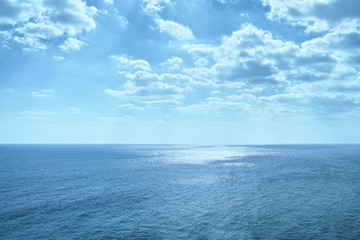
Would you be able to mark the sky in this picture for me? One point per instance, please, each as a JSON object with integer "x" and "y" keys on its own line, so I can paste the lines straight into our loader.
{"x": 180, "y": 71}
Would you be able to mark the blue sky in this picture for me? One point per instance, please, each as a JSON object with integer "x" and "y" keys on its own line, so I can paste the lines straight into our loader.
{"x": 190, "y": 72}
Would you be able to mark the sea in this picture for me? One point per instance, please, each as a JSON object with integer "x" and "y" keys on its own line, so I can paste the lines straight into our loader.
{"x": 179, "y": 192}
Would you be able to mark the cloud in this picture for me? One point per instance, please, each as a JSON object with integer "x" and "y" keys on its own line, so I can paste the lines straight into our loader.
{"x": 214, "y": 104}
{"x": 43, "y": 93}
{"x": 31, "y": 43}
{"x": 152, "y": 7}
{"x": 109, "y": 1}
{"x": 173, "y": 63}
{"x": 201, "y": 62}
{"x": 254, "y": 68}
{"x": 142, "y": 85}
{"x": 58, "y": 58}
{"x": 152, "y": 90}
{"x": 174, "y": 29}
{"x": 71, "y": 44}
{"x": 124, "y": 92}
{"x": 32, "y": 23}
{"x": 15, "y": 11}
{"x": 71, "y": 16}
{"x": 255, "y": 57}
{"x": 215, "y": 92}
{"x": 316, "y": 15}
{"x": 249, "y": 55}
{"x": 131, "y": 106}
{"x": 326, "y": 98}
{"x": 124, "y": 63}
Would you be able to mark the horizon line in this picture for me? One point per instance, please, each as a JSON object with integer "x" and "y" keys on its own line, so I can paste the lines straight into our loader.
{"x": 186, "y": 144}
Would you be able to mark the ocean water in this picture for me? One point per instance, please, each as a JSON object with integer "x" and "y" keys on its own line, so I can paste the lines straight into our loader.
{"x": 179, "y": 192}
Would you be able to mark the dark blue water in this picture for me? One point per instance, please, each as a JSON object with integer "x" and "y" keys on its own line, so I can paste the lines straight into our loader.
{"x": 179, "y": 192}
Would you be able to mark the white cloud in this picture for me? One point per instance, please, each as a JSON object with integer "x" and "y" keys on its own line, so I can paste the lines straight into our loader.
{"x": 215, "y": 92}
{"x": 214, "y": 104}
{"x": 127, "y": 64}
{"x": 154, "y": 6}
{"x": 200, "y": 50}
{"x": 144, "y": 86}
{"x": 32, "y": 23}
{"x": 253, "y": 56}
{"x": 174, "y": 29}
{"x": 316, "y": 15}
{"x": 39, "y": 30}
{"x": 58, "y": 58}
{"x": 71, "y": 44}
{"x": 16, "y": 11}
{"x": 173, "y": 63}
{"x": 131, "y": 106}
{"x": 255, "y": 69}
{"x": 201, "y": 62}
{"x": 174, "y": 100}
{"x": 129, "y": 88}
{"x": 109, "y": 1}
{"x": 31, "y": 43}
{"x": 43, "y": 93}
{"x": 152, "y": 90}
{"x": 251, "y": 60}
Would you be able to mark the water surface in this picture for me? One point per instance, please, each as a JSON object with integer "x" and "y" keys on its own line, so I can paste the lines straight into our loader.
{"x": 179, "y": 192}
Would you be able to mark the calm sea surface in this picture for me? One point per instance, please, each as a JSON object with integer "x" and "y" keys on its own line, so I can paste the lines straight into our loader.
{"x": 179, "y": 192}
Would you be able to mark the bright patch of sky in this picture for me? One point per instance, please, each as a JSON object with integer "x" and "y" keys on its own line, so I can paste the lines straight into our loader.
{"x": 171, "y": 71}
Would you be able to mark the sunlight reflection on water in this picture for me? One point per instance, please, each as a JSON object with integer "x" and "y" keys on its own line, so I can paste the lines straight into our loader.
{"x": 201, "y": 155}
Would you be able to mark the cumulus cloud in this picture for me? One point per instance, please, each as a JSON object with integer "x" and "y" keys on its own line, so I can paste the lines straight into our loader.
{"x": 125, "y": 63}
{"x": 254, "y": 56}
{"x": 316, "y": 15}
{"x": 154, "y": 6}
{"x": 253, "y": 67}
{"x": 128, "y": 89}
{"x": 152, "y": 90}
{"x": 201, "y": 62}
{"x": 15, "y": 11}
{"x": 71, "y": 44}
{"x": 31, "y": 23}
{"x": 143, "y": 85}
{"x": 173, "y": 63}
{"x": 280, "y": 75}
{"x": 174, "y": 29}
